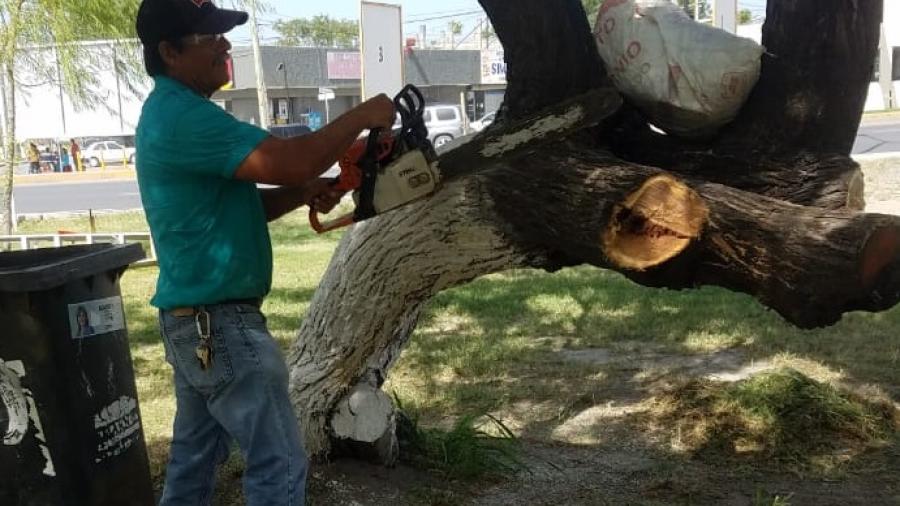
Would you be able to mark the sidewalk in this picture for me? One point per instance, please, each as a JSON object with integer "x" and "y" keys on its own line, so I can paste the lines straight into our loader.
{"x": 92, "y": 175}
{"x": 876, "y": 117}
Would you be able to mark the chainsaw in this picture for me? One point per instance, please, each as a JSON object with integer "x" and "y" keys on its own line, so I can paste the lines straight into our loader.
{"x": 386, "y": 170}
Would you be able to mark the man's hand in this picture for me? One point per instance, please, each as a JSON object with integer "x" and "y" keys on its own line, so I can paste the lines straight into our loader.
{"x": 322, "y": 196}
{"x": 377, "y": 112}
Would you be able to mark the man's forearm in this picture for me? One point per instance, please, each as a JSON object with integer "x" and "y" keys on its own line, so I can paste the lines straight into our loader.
{"x": 294, "y": 161}
{"x": 280, "y": 201}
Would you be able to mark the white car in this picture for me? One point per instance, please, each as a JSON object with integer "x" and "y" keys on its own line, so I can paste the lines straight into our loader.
{"x": 481, "y": 124}
{"x": 110, "y": 152}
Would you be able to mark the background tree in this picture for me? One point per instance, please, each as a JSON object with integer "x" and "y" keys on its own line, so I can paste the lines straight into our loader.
{"x": 455, "y": 27}
{"x": 318, "y": 31}
{"x": 571, "y": 174}
{"x": 745, "y": 16}
{"x": 592, "y": 6}
{"x": 41, "y": 36}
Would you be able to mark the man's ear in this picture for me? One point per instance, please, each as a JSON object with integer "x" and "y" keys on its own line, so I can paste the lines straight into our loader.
{"x": 168, "y": 52}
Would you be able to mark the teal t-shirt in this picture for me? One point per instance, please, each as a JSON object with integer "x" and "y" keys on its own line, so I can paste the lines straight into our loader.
{"x": 209, "y": 229}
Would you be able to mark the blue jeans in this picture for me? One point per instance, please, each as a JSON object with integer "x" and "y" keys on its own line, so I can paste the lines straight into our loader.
{"x": 244, "y": 397}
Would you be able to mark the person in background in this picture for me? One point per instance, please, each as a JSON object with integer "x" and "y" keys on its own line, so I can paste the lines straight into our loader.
{"x": 64, "y": 160}
{"x": 34, "y": 158}
{"x": 75, "y": 151}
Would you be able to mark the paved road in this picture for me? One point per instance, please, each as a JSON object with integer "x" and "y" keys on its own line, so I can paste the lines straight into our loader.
{"x": 66, "y": 197}
{"x": 74, "y": 197}
{"x": 878, "y": 136}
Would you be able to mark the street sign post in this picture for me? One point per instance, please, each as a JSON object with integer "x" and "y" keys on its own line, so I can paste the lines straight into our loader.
{"x": 326, "y": 94}
{"x": 381, "y": 44}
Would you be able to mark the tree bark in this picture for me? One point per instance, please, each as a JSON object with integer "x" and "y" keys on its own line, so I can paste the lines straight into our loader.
{"x": 568, "y": 175}
{"x": 815, "y": 77}
{"x": 370, "y": 298}
{"x": 8, "y": 47}
{"x": 9, "y": 141}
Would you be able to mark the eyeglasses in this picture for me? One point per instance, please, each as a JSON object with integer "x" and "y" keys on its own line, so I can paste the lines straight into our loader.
{"x": 198, "y": 39}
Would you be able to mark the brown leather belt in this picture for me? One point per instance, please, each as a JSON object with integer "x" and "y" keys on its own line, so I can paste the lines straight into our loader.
{"x": 181, "y": 312}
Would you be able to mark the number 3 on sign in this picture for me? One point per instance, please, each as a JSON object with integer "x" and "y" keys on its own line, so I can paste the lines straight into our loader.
{"x": 380, "y": 54}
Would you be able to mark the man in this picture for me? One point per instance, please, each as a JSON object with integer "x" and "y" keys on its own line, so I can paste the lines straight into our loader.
{"x": 34, "y": 159}
{"x": 197, "y": 167}
{"x": 75, "y": 152}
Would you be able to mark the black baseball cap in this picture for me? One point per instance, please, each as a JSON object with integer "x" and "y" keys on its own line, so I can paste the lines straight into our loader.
{"x": 159, "y": 20}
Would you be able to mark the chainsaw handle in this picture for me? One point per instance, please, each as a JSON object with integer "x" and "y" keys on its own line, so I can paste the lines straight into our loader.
{"x": 411, "y": 105}
{"x": 329, "y": 225}
{"x": 320, "y": 228}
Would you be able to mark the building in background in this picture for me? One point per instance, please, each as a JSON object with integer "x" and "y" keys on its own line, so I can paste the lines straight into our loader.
{"x": 45, "y": 111}
{"x": 296, "y": 76}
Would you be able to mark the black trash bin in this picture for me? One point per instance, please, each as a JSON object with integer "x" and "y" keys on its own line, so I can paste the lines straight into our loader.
{"x": 69, "y": 417}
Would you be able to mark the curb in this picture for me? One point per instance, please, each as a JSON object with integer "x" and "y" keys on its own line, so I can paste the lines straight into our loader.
{"x": 72, "y": 177}
{"x": 876, "y": 156}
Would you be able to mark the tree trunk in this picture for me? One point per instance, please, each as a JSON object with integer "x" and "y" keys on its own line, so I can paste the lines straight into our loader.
{"x": 9, "y": 141}
{"x": 8, "y": 65}
{"x": 369, "y": 300}
{"x": 568, "y": 175}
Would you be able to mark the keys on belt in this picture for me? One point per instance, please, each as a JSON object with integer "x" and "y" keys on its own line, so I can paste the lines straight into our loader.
{"x": 204, "y": 350}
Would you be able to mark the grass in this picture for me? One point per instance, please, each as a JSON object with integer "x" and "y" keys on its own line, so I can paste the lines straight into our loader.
{"x": 475, "y": 446}
{"x": 782, "y": 417}
{"x": 763, "y": 499}
{"x": 493, "y": 346}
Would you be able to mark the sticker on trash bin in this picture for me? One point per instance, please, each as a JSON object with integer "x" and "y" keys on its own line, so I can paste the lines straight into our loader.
{"x": 20, "y": 408}
{"x": 96, "y": 317}
{"x": 118, "y": 427}
{"x": 13, "y": 399}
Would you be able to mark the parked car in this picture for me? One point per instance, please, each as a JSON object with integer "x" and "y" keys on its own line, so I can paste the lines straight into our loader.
{"x": 107, "y": 152}
{"x": 482, "y": 123}
{"x": 444, "y": 123}
{"x": 290, "y": 130}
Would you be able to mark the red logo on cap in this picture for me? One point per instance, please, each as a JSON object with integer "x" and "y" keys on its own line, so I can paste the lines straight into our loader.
{"x": 199, "y": 3}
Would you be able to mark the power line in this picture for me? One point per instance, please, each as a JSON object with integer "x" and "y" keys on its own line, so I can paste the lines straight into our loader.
{"x": 460, "y": 15}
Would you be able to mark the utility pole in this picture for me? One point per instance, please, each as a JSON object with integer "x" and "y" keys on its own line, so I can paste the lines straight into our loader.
{"x": 261, "y": 95}
{"x": 2, "y": 115}
{"x": 884, "y": 71}
{"x": 118, "y": 88}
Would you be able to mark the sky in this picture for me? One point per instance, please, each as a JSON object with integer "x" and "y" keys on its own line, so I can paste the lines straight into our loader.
{"x": 435, "y": 15}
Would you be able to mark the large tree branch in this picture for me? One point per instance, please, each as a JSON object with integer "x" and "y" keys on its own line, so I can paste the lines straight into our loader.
{"x": 550, "y": 52}
{"x": 814, "y": 81}
{"x": 829, "y": 181}
{"x": 590, "y": 207}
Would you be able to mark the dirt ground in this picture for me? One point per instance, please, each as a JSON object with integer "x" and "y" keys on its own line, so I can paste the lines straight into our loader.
{"x": 882, "y": 180}
{"x": 599, "y": 455}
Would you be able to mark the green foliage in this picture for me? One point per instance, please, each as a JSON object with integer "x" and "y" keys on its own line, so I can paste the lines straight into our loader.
{"x": 45, "y": 37}
{"x": 456, "y": 27}
{"x": 763, "y": 499}
{"x": 45, "y": 33}
{"x": 591, "y": 7}
{"x": 475, "y": 447}
{"x": 318, "y": 31}
{"x": 745, "y": 16}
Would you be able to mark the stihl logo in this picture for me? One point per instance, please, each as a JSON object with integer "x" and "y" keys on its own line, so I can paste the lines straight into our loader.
{"x": 199, "y": 3}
